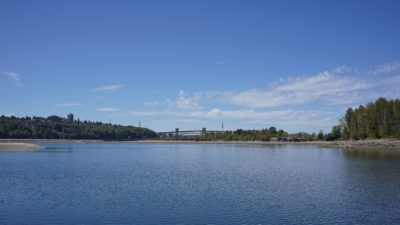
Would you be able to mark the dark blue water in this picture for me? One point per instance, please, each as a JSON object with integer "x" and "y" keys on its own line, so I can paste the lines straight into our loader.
{"x": 198, "y": 184}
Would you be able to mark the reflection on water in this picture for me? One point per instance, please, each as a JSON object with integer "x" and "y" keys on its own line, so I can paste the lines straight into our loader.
{"x": 198, "y": 184}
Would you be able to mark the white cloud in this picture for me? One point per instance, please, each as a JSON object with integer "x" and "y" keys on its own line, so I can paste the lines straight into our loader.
{"x": 338, "y": 86}
{"x": 239, "y": 114}
{"x": 108, "y": 109}
{"x": 386, "y": 68}
{"x": 216, "y": 113}
{"x": 185, "y": 101}
{"x": 281, "y": 118}
{"x": 15, "y": 77}
{"x": 326, "y": 85}
{"x": 282, "y": 102}
{"x": 69, "y": 104}
{"x": 109, "y": 88}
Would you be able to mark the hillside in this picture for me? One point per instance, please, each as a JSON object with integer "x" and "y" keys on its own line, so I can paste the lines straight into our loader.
{"x": 54, "y": 127}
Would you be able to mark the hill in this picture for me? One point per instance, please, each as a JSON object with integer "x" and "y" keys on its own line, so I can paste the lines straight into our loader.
{"x": 55, "y": 127}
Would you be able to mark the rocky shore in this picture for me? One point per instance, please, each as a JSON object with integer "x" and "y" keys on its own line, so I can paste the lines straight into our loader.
{"x": 373, "y": 143}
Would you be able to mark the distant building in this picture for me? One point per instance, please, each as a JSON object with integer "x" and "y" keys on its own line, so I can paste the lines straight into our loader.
{"x": 70, "y": 117}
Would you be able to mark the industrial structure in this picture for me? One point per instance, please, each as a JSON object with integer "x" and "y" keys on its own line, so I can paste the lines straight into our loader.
{"x": 179, "y": 133}
{"x": 70, "y": 117}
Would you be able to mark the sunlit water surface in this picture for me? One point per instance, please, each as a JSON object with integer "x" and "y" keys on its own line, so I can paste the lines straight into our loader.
{"x": 199, "y": 184}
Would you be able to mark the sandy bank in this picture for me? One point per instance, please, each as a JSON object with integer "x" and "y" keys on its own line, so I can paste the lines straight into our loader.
{"x": 13, "y": 146}
{"x": 373, "y": 143}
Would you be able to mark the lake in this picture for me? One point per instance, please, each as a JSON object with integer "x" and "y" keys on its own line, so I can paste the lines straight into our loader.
{"x": 199, "y": 184}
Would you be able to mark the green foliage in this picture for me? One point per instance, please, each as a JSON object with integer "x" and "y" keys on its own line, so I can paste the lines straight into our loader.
{"x": 380, "y": 119}
{"x": 54, "y": 127}
{"x": 302, "y": 136}
{"x": 335, "y": 134}
{"x": 320, "y": 135}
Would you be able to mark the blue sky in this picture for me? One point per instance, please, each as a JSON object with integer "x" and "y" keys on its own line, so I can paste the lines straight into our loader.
{"x": 296, "y": 65}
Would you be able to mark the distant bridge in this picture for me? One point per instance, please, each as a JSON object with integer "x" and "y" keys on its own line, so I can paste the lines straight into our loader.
{"x": 178, "y": 133}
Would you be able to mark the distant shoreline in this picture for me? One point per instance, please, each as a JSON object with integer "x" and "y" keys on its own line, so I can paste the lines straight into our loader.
{"x": 152, "y": 141}
{"x": 370, "y": 143}
{"x": 373, "y": 143}
{"x": 227, "y": 142}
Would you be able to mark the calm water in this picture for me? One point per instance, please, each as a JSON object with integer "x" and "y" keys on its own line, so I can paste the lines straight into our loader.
{"x": 198, "y": 184}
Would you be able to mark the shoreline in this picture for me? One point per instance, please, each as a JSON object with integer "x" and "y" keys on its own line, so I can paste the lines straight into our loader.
{"x": 365, "y": 144}
{"x": 369, "y": 143}
{"x": 151, "y": 141}
{"x": 227, "y": 142}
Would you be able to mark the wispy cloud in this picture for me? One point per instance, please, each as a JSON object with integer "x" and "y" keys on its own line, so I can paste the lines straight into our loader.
{"x": 340, "y": 86}
{"x": 326, "y": 86}
{"x": 69, "y": 104}
{"x": 288, "y": 118}
{"x": 109, "y": 88}
{"x": 108, "y": 109}
{"x": 15, "y": 77}
{"x": 185, "y": 101}
{"x": 216, "y": 113}
{"x": 282, "y": 102}
{"x": 386, "y": 68}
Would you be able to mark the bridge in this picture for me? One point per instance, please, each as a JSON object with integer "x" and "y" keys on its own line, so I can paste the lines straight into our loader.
{"x": 180, "y": 133}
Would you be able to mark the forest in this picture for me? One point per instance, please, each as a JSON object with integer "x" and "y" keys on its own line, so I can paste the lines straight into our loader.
{"x": 379, "y": 119}
{"x": 54, "y": 127}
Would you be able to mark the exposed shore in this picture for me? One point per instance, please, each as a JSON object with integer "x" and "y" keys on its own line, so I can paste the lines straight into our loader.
{"x": 18, "y": 146}
{"x": 371, "y": 143}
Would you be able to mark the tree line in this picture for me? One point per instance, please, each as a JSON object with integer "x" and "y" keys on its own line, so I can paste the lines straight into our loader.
{"x": 54, "y": 127}
{"x": 267, "y": 134}
{"x": 244, "y": 135}
{"x": 379, "y": 119}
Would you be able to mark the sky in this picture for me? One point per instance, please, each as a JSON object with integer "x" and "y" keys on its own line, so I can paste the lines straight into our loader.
{"x": 295, "y": 65}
